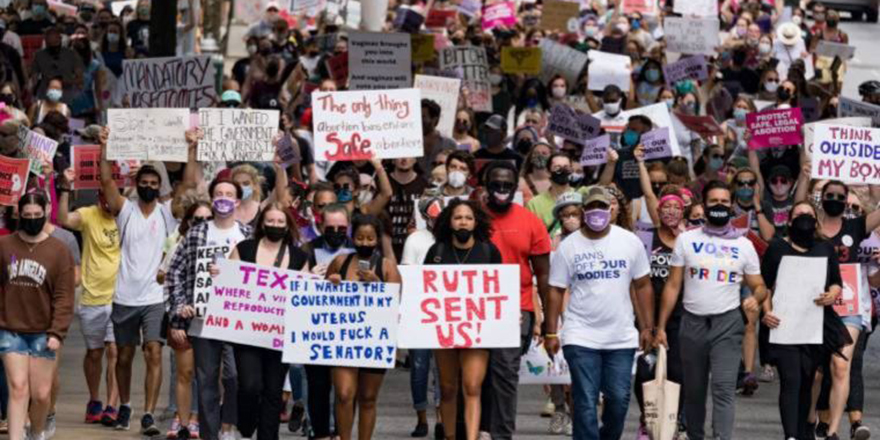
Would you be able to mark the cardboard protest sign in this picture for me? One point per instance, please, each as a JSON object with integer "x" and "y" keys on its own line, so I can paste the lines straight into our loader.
{"x": 499, "y": 14}
{"x": 607, "y": 68}
{"x": 691, "y": 35}
{"x": 440, "y": 18}
{"x": 337, "y": 65}
{"x": 13, "y": 179}
{"x": 536, "y": 367}
{"x": 686, "y": 68}
{"x": 173, "y": 82}
{"x": 775, "y": 128}
{"x": 851, "y": 107}
{"x": 443, "y": 91}
{"x": 233, "y": 134}
{"x": 577, "y": 127}
{"x": 847, "y": 304}
{"x": 378, "y": 61}
{"x": 705, "y": 126}
{"x": 422, "y": 48}
{"x": 87, "y": 168}
{"x": 36, "y": 147}
{"x": 347, "y": 325}
{"x": 204, "y": 283}
{"x": 455, "y": 306}
{"x": 555, "y": 15}
{"x": 659, "y": 115}
{"x": 848, "y": 154}
{"x": 360, "y": 125}
{"x": 831, "y": 49}
{"x": 148, "y": 134}
{"x": 248, "y": 302}
{"x": 288, "y": 151}
{"x": 596, "y": 151}
{"x": 644, "y": 7}
{"x": 697, "y": 8}
{"x": 521, "y": 60}
{"x": 474, "y": 66}
{"x": 562, "y": 60}
{"x": 656, "y": 144}
{"x": 810, "y": 129}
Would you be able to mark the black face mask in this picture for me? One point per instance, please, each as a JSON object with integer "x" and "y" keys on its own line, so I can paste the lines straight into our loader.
{"x": 147, "y": 194}
{"x": 802, "y": 231}
{"x": 54, "y": 50}
{"x": 32, "y": 226}
{"x": 523, "y": 146}
{"x": 718, "y": 215}
{"x": 334, "y": 237}
{"x": 364, "y": 252}
{"x": 275, "y": 233}
{"x": 497, "y": 187}
{"x": 657, "y": 188}
{"x": 560, "y": 177}
{"x": 783, "y": 94}
{"x": 7, "y": 99}
{"x": 462, "y": 235}
{"x": 833, "y": 208}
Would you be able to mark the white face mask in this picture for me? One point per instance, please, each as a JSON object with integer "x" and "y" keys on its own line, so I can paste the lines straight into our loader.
{"x": 612, "y": 108}
{"x": 771, "y": 86}
{"x": 365, "y": 197}
{"x": 797, "y": 20}
{"x": 764, "y": 48}
{"x": 456, "y": 179}
{"x": 495, "y": 79}
{"x": 559, "y": 92}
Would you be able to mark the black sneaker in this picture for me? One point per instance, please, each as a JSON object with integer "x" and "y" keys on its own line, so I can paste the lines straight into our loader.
{"x": 832, "y": 437}
{"x": 859, "y": 432}
{"x": 123, "y": 419}
{"x": 420, "y": 431}
{"x": 148, "y": 426}
{"x": 439, "y": 432}
{"x": 821, "y": 430}
{"x": 183, "y": 433}
{"x": 296, "y": 417}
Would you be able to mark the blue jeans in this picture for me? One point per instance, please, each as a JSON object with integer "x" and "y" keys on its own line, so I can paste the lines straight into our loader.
{"x": 592, "y": 372}
{"x": 297, "y": 389}
{"x": 418, "y": 379}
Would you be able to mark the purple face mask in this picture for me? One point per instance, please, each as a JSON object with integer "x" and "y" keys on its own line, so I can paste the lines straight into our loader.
{"x": 597, "y": 219}
{"x": 223, "y": 207}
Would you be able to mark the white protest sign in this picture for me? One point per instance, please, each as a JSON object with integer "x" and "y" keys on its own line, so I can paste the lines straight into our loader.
{"x": 233, "y": 134}
{"x": 851, "y": 107}
{"x": 176, "y": 82}
{"x": 204, "y": 283}
{"x": 691, "y": 35}
{"x": 562, "y": 60}
{"x": 360, "y": 125}
{"x": 247, "y": 304}
{"x": 349, "y": 325}
{"x": 659, "y": 115}
{"x": 810, "y": 129}
{"x": 443, "y": 91}
{"x": 608, "y": 69}
{"x": 696, "y": 8}
{"x": 119, "y": 5}
{"x": 459, "y": 306}
{"x": 536, "y": 367}
{"x": 473, "y": 64}
{"x": 799, "y": 281}
{"x": 37, "y": 148}
{"x": 848, "y": 154}
{"x": 378, "y": 61}
{"x": 308, "y": 8}
{"x": 831, "y": 49}
{"x": 148, "y": 134}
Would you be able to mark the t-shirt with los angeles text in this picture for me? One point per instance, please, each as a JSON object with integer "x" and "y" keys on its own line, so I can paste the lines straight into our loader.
{"x": 599, "y": 273}
{"x": 714, "y": 269}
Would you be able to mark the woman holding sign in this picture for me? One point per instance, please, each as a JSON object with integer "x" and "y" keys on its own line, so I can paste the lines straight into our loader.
{"x": 463, "y": 234}
{"x": 365, "y": 265}
{"x": 260, "y": 371}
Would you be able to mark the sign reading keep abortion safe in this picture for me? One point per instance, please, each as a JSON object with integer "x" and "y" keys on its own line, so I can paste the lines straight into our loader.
{"x": 848, "y": 154}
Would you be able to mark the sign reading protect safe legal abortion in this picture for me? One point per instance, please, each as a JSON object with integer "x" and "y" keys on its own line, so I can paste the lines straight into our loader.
{"x": 362, "y": 125}
{"x": 474, "y": 306}
{"x": 775, "y": 128}
{"x": 237, "y": 134}
{"x": 349, "y": 324}
{"x": 849, "y": 154}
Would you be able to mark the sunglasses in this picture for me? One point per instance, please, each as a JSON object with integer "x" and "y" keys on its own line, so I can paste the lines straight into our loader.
{"x": 339, "y": 187}
{"x": 716, "y": 156}
{"x": 746, "y": 182}
{"x": 198, "y": 220}
{"x": 856, "y": 209}
{"x": 835, "y": 196}
{"x": 778, "y": 181}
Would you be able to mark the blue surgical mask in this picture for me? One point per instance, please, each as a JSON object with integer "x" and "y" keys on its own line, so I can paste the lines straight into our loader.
{"x": 669, "y": 103}
{"x": 246, "y": 192}
{"x": 716, "y": 164}
{"x": 53, "y": 95}
{"x": 652, "y": 75}
{"x": 344, "y": 195}
{"x": 636, "y": 25}
{"x": 38, "y": 10}
{"x": 112, "y": 38}
{"x": 630, "y": 138}
{"x": 740, "y": 114}
{"x": 745, "y": 194}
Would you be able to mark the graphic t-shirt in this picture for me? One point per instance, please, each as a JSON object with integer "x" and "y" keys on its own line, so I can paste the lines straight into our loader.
{"x": 599, "y": 273}
{"x": 142, "y": 241}
{"x": 518, "y": 234}
{"x": 714, "y": 269}
{"x": 100, "y": 256}
{"x": 401, "y": 208}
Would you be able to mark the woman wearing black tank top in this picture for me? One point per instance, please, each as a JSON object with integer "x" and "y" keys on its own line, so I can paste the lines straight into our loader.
{"x": 367, "y": 265}
{"x": 463, "y": 236}
{"x": 260, "y": 370}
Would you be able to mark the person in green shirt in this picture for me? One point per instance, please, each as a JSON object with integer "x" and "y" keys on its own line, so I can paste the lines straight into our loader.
{"x": 541, "y": 205}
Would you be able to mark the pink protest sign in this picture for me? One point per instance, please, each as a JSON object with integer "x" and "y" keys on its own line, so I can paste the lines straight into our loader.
{"x": 775, "y": 128}
{"x": 13, "y": 179}
{"x": 499, "y": 14}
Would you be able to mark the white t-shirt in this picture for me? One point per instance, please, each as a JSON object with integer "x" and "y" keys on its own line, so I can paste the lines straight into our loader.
{"x": 142, "y": 243}
{"x": 416, "y": 247}
{"x": 224, "y": 237}
{"x": 599, "y": 274}
{"x": 713, "y": 270}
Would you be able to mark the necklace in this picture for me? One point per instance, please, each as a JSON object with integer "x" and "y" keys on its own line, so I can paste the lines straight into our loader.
{"x": 466, "y": 256}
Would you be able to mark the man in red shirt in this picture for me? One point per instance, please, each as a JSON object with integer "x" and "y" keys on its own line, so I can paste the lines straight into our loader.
{"x": 523, "y": 240}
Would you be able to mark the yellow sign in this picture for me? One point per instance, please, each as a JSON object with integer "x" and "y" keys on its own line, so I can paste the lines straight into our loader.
{"x": 525, "y": 60}
{"x": 422, "y": 48}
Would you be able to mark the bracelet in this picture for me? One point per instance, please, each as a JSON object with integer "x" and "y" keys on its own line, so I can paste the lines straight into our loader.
{"x": 551, "y": 336}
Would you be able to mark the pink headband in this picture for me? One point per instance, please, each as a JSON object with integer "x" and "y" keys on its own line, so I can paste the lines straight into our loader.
{"x": 670, "y": 198}
{"x": 686, "y": 192}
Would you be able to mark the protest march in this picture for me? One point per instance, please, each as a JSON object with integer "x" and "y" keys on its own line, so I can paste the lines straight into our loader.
{"x": 448, "y": 219}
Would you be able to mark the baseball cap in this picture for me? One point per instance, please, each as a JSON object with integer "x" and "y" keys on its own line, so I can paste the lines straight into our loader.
{"x": 496, "y": 122}
{"x": 596, "y": 193}
{"x": 565, "y": 200}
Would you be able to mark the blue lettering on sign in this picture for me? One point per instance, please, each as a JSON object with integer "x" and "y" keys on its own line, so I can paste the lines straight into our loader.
{"x": 722, "y": 251}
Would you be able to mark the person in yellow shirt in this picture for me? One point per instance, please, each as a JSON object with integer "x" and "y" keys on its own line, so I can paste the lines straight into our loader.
{"x": 100, "y": 263}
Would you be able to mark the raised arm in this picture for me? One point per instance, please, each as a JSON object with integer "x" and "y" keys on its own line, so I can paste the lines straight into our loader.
{"x": 111, "y": 193}
{"x": 67, "y": 219}
{"x": 378, "y": 203}
{"x": 607, "y": 175}
{"x": 647, "y": 189}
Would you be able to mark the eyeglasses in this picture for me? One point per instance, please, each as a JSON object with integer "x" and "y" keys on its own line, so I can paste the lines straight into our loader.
{"x": 835, "y": 196}
{"x": 746, "y": 182}
{"x": 855, "y": 209}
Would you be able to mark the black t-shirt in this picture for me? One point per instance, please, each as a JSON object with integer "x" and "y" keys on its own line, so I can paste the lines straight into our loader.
{"x": 660, "y": 263}
{"x": 247, "y": 250}
{"x": 847, "y": 241}
{"x": 34, "y": 27}
{"x": 505, "y": 154}
{"x": 747, "y": 78}
{"x": 780, "y": 248}
{"x": 401, "y": 208}
{"x": 446, "y": 253}
{"x": 138, "y": 31}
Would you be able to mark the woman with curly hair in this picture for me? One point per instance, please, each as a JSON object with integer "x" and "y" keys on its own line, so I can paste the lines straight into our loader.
{"x": 463, "y": 236}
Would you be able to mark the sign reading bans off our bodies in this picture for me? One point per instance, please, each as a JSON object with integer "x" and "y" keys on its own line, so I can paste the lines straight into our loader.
{"x": 237, "y": 134}
{"x": 475, "y": 306}
{"x": 176, "y": 82}
{"x": 848, "y": 154}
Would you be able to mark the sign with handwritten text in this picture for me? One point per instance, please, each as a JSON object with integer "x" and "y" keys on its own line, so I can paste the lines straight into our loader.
{"x": 87, "y": 168}
{"x": 148, "y": 134}
{"x": 473, "y": 64}
{"x": 454, "y": 306}
{"x": 691, "y": 35}
{"x": 366, "y": 124}
{"x": 247, "y": 304}
{"x": 775, "y": 128}
{"x": 848, "y": 154}
{"x": 349, "y": 324}
{"x": 176, "y": 82}
{"x": 204, "y": 283}
{"x": 13, "y": 179}
{"x": 36, "y": 147}
{"x": 233, "y": 134}
{"x": 443, "y": 91}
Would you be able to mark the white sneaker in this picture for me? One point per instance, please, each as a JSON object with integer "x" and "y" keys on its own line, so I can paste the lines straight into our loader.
{"x": 557, "y": 423}
{"x": 49, "y": 432}
{"x": 485, "y": 435}
{"x": 549, "y": 409}
{"x": 569, "y": 426}
{"x": 229, "y": 435}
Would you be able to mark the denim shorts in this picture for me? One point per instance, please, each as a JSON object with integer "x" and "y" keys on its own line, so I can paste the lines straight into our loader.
{"x": 854, "y": 321}
{"x": 30, "y": 344}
